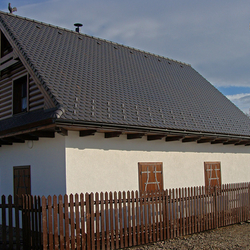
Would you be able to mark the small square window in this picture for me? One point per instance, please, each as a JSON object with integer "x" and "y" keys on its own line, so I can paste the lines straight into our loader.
{"x": 150, "y": 176}
{"x": 20, "y": 95}
{"x": 212, "y": 172}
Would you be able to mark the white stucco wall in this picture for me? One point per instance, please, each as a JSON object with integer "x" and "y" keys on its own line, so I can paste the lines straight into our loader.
{"x": 97, "y": 164}
{"x": 74, "y": 164}
{"x": 47, "y": 163}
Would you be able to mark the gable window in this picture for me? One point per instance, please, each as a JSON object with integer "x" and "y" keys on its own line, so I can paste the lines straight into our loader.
{"x": 150, "y": 176}
{"x": 5, "y": 46}
{"x": 22, "y": 182}
{"x": 20, "y": 95}
{"x": 212, "y": 172}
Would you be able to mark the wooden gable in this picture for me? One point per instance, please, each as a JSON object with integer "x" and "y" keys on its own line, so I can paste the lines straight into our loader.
{"x": 12, "y": 69}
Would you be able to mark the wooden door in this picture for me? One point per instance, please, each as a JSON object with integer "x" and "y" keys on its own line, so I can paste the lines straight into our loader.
{"x": 22, "y": 182}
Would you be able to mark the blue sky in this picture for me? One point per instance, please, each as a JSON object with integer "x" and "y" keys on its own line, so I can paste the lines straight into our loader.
{"x": 213, "y": 36}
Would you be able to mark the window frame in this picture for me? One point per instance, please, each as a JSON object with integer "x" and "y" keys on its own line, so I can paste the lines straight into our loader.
{"x": 17, "y": 105}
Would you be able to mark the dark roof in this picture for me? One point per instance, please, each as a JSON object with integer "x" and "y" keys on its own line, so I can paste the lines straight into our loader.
{"x": 99, "y": 81}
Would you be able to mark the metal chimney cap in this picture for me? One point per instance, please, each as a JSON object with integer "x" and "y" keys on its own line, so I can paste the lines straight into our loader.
{"x": 78, "y": 24}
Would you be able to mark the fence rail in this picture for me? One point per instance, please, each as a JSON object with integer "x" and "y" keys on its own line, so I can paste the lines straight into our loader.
{"x": 120, "y": 219}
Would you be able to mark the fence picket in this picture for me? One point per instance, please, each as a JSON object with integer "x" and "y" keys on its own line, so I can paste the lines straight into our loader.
{"x": 125, "y": 219}
{"x": 55, "y": 222}
{"x": 72, "y": 220}
{"x": 116, "y": 221}
{"x": 142, "y": 217}
{"x": 36, "y": 233}
{"x": 137, "y": 218}
{"x": 199, "y": 199}
{"x": 157, "y": 215}
{"x": 120, "y": 220}
{"x": 146, "y": 213}
{"x": 10, "y": 221}
{"x": 161, "y": 215}
{"x": 98, "y": 245}
{"x": 107, "y": 220}
{"x": 195, "y": 208}
{"x": 77, "y": 224}
{"x": 170, "y": 215}
{"x": 177, "y": 212}
{"x": 129, "y": 221}
{"x": 167, "y": 213}
{"x": 83, "y": 230}
{"x": 66, "y": 214}
{"x": 111, "y": 221}
{"x": 203, "y": 228}
{"x": 44, "y": 215}
{"x": 60, "y": 208}
{"x": 133, "y": 219}
{"x": 185, "y": 217}
{"x": 153, "y": 219}
{"x": 32, "y": 220}
{"x": 227, "y": 211}
{"x": 181, "y": 203}
{"x": 164, "y": 215}
{"x": 88, "y": 223}
{"x": 150, "y": 223}
{"x": 248, "y": 201}
{"x": 92, "y": 219}
{"x": 17, "y": 222}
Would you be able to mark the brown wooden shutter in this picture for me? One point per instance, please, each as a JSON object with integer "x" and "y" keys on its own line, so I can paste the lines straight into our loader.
{"x": 212, "y": 175}
{"x": 22, "y": 182}
{"x": 150, "y": 176}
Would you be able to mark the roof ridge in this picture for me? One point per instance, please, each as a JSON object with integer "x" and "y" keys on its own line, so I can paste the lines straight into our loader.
{"x": 97, "y": 38}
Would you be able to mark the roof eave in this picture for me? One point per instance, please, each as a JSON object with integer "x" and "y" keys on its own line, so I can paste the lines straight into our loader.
{"x": 141, "y": 129}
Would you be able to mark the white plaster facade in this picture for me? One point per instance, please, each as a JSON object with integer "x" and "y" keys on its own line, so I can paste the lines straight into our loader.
{"x": 46, "y": 158}
{"x": 73, "y": 164}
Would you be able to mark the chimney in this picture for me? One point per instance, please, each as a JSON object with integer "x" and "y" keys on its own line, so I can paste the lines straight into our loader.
{"x": 78, "y": 25}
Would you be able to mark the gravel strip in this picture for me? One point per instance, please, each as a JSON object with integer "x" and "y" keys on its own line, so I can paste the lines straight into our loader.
{"x": 231, "y": 237}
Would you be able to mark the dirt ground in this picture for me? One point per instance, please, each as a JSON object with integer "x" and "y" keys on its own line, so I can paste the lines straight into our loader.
{"x": 231, "y": 237}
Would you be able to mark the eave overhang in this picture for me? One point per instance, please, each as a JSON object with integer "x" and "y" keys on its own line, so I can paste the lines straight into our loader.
{"x": 48, "y": 128}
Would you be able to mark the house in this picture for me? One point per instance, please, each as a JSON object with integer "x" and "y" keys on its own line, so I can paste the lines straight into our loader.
{"x": 82, "y": 114}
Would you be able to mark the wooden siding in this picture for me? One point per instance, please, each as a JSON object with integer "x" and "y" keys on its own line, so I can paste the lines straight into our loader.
{"x": 36, "y": 99}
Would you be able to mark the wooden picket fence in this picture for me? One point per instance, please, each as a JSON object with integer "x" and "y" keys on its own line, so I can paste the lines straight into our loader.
{"x": 117, "y": 220}
{"x": 21, "y": 225}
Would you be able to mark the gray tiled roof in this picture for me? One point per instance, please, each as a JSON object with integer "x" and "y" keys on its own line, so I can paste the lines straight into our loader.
{"x": 100, "y": 81}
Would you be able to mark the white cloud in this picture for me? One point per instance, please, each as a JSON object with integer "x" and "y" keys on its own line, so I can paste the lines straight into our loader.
{"x": 242, "y": 101}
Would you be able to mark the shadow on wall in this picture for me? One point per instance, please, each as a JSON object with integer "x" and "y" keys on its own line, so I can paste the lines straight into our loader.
{"x": 122, "y": 143}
